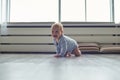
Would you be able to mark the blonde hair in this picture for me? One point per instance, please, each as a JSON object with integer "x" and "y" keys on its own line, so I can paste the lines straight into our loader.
{"x": 57, "y": 25}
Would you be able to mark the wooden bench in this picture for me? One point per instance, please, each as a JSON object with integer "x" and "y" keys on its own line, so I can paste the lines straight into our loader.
{"x": 36, "y": 37}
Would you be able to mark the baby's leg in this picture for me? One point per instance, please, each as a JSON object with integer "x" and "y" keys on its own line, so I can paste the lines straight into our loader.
{"x": 77, "y": 52}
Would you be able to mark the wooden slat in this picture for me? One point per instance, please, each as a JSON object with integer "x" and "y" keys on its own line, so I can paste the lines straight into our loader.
{"x": 47, "y": 31}
{"x": 26, "y": 39}
{"x": 28, "y": 48}
{"x": 0, "y": 47}
{"x": 49, "y": 39}
{"x": 28, "y": 31}
{"x": 100, "y": 39}
{"x": 92, "y": 30}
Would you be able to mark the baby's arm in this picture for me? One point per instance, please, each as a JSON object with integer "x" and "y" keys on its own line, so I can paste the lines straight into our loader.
{"x": 57, "y": 52}
{"x": 62, "y": 49}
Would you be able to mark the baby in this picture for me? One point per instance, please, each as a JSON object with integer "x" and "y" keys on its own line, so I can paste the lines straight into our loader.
{"x": 64, "y": 44}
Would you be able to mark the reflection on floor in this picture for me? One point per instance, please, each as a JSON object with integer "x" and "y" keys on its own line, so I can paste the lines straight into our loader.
{"x": 47, "y": 67}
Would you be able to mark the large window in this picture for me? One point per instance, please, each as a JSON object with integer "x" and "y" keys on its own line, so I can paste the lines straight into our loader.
{"x": 0, "y": 12}
{"x": 34, "y": 10}
{"x": 117, "y": 11}
{"x": 61, "y": 10}
{"x": 3, "y": 11}
{"x": 73, "y": 10}
{"x": 3, "y": 15}
{"x": 98, "y": 10}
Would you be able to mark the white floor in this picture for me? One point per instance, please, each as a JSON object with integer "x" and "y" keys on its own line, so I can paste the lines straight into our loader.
{"x": 47, "y": 67}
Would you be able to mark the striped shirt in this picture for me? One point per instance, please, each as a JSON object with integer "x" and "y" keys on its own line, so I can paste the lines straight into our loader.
{"x": 64, "y": 45}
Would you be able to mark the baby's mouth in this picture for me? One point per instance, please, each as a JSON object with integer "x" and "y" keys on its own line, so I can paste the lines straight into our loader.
{"x": 55, "y": 36}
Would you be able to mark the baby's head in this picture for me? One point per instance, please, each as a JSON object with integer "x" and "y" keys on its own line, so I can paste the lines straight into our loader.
{"x": 57, "y": 30}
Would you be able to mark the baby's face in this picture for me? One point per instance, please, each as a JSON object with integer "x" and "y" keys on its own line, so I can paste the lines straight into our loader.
{"x": 56, "y": 33}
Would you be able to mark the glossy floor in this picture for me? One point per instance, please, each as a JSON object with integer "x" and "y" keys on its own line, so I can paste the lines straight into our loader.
{"x": 46, "y": 67}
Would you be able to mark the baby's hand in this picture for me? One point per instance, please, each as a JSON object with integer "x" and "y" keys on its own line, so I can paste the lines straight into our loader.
{"x": 57, "y": 55}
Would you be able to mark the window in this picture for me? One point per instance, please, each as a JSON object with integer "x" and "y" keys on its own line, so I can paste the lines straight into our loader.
{"x": 0, "y": 12}
{"x": 70, "y": 11}
{"x": 34, "y": 10}
{"x": 3, "y": 15}
{"x": 73, "y": 10}
{"x": 98, "y": 10}
{"x": 117, "y": 11}
{"x": 3, "y": 11}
